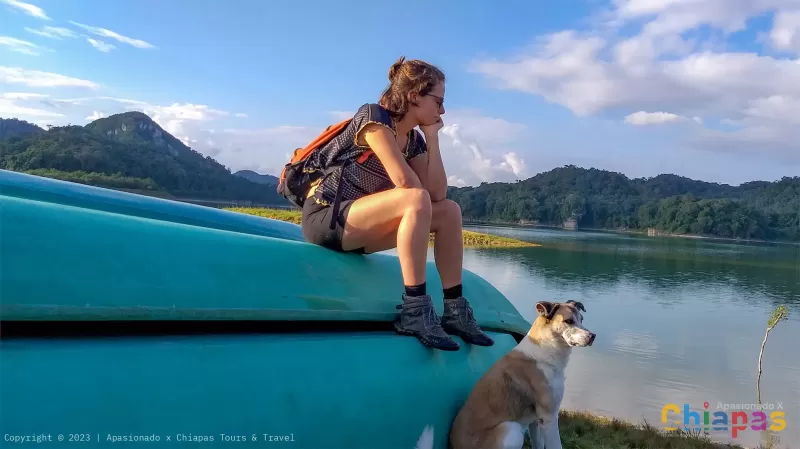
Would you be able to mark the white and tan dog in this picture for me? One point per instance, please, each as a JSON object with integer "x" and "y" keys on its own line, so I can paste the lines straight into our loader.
{"x": 523, "y": 390}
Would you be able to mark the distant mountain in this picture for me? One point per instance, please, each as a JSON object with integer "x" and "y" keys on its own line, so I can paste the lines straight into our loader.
{"x": 127, "y": 149}
{"x": 257, "y": 177}
{"x": 138, "y": 128}
{"x": 17, "y": 128}
{"x": 593, "y": 198}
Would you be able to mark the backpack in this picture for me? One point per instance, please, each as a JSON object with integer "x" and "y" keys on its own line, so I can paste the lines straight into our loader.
{"x": 295, "y": 179}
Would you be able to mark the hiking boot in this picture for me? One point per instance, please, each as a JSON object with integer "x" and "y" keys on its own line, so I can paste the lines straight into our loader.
{"x": 418, "y": 318}
{"x": 459, "y": 320}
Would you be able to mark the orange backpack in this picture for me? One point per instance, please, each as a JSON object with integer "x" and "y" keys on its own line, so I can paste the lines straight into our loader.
{"x": 295, "y": 180}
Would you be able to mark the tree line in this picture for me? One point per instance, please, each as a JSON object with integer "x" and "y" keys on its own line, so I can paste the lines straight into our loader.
{"x": 668, "y": 203}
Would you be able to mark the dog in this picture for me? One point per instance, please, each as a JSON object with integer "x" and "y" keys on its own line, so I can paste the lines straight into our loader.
{"x": 523, "y": 390}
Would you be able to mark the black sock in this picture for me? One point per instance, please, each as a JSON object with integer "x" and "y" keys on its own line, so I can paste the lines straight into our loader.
{"x": 416, "y": 290}
{"x": 452, "y": 292}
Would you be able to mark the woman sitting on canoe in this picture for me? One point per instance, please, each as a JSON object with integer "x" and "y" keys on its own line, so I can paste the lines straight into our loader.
{"x": 390, "y": 192}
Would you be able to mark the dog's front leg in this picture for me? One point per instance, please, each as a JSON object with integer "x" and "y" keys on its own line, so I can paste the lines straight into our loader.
{"x": 536, "y": 435}
{"x": 552, "y": 438}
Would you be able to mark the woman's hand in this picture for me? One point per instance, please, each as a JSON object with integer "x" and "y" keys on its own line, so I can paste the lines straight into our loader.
{"x": 432, "y": 130}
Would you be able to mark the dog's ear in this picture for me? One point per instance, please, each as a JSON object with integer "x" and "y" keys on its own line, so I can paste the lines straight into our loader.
{"x": 577, "y": 304}
{"x": 546, "y": 309}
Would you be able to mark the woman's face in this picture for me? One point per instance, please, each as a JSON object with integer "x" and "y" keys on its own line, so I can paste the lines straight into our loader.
{"x": 430, "y": 107}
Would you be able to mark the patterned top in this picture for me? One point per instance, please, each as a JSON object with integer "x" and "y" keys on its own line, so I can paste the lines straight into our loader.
{"x": 359, "y": 178}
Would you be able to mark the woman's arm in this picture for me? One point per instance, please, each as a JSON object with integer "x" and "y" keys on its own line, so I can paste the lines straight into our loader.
{"x": 382, "y": 142}
{"x": 429, "y": 166}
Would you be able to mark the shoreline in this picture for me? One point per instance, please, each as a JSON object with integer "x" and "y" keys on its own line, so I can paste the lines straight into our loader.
{"x": 636, "y": 232}
{"x": 471, "y": 239}
{"x": 584, "y": 429}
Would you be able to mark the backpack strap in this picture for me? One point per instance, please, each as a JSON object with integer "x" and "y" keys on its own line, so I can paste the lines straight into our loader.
{"x": 302, "y": 154}
{"x": 337, "y": 201}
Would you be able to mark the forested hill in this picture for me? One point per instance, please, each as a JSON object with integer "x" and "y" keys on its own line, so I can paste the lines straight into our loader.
{"x": 17, "y": 128}
{"x": 669, "y": 203}
{"x": 128, "y": 151}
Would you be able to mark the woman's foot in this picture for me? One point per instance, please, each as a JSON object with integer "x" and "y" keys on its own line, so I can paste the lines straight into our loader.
{"x": 418, "y": 318}
{"x": 459, "y": 320}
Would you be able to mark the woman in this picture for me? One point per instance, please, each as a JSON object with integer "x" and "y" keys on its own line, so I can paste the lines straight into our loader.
{"x": 389, "y": 191}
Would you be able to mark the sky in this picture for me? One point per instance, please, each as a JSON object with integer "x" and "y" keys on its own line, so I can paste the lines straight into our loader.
{"x": 708, "y": 89}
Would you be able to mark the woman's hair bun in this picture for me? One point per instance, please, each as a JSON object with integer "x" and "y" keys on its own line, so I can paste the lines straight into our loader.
{"x": 394, "y": 70}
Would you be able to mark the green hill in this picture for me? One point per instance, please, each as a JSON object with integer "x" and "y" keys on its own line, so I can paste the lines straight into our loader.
{"x": 257, "y": 177}
{"x": 17, "y": 128}
{"x": 668, "y": 203}
{"x": 130, "y": 151}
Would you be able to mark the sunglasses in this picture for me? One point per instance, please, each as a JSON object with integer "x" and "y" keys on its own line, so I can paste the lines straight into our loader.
{"x": 440, "y": 99}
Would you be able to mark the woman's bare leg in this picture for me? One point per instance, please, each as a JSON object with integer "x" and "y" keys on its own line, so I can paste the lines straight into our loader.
{"x": 449, "y": 254}
{"x": 402, "y": 214}
{"x": 405, "y": 218}
{"x": 448, "y": 247}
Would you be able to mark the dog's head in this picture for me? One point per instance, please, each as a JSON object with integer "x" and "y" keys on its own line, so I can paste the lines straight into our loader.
{"x": 564, "y": 321}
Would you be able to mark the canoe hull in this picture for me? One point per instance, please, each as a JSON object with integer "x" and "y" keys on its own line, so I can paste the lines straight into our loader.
{"x": 318, "y": 361}
{"x": 359, "y": 390}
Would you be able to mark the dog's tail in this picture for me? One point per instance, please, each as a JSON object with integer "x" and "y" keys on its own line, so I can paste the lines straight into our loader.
{"x": 425, "y": 440}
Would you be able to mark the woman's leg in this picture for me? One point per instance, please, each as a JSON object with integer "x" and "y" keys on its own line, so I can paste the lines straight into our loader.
{"x": 448, "y": 244}
{"x": 402, "y": 215}
{"x": 448, "y": 247}
{"x": 375, "y": 227}
{"x": 448, "y": 252}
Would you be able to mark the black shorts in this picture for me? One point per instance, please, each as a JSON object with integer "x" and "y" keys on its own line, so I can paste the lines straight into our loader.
{"x": 316, "y": 223}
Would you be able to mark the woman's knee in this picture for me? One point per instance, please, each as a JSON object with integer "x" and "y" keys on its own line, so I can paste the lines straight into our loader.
{"x": 418, "y": 200}
{"x": 446, "y": 213}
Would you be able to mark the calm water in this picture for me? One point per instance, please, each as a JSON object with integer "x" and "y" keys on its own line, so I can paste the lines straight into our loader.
{"x": 677, "y": 320}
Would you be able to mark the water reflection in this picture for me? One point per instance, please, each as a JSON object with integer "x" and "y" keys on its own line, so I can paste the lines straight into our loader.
{"x": 598, "y": 259}
{"x": 677, "y": 321}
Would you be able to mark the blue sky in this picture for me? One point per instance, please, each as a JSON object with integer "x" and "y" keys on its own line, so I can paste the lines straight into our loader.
{"x": 705, "y": 89}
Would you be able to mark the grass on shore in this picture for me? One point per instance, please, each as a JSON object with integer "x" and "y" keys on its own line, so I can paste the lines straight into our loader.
{"x": 471, "y": 239}
{"x": 582, "y": 430}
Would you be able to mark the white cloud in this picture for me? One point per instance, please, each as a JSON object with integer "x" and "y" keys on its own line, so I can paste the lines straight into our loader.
{"x": 678, "y": 16}
{"x": 100, "y": 45}
{"x": 36, "y": 78}
{"x": 95, "y": 115}
{"x": 27, "y": 8}
{"x": 10, "y": 106}
{"x": 655, "y": 118}
{"x": 240, "y": 115}
{"x": 667, "y": 65}
{"x": 775, "y": 108}
{"x": 512, "y": 162}
{"x": 479, "y": 149}
{"x": 454, "y": 180}
{"x": 20, "y": 95}
{"x": 114, "y": 35}
{"x": 785, "y": 32}
{"x": 53, "y": 32}
{"x": 21, "y": 46}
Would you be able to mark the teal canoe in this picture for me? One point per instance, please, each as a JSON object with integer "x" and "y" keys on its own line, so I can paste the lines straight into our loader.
{"x": 131, "y": 318}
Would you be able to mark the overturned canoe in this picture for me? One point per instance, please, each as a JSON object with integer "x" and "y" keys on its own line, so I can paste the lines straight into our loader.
{"x": 130, "y": 317}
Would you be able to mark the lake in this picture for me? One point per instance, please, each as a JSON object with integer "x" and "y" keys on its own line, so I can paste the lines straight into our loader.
{"x": 677, "y": 320}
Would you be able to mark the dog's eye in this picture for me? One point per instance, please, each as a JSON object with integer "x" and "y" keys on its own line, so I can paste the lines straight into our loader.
{"x": 570, "y": 321}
